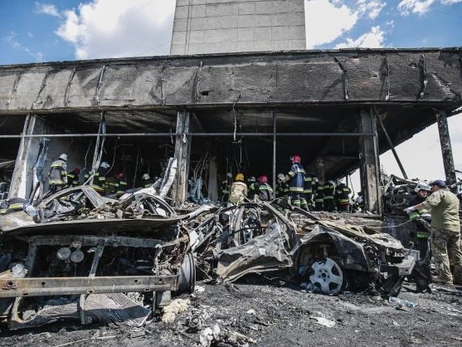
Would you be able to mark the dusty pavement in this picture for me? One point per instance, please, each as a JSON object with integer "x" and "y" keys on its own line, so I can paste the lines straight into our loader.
{"x": 276, "y": 314}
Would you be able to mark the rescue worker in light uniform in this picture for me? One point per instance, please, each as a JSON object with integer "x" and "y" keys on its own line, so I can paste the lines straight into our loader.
{"x": 445, "y": 228}
{"x": 238, "y": 190}
{"x": 58, "y": 174}
{"x": 296, "y": 183}
{"x": 265, "y": 192}
{"x": 342, "y": 197}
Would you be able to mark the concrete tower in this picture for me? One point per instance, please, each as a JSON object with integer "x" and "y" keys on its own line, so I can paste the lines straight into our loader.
{"x": 218, "y": 26}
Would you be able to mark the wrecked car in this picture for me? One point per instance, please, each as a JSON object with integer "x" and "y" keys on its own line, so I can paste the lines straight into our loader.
{"x": 334, "y": 257}
{"x": 325, "y": 256}
{"x": 79, "y": 255}
{"x": 251, "y": 237}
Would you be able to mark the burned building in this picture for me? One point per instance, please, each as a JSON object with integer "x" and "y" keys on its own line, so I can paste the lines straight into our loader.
{"x": 202, "y": 117}
{"x": 219, "y": 113}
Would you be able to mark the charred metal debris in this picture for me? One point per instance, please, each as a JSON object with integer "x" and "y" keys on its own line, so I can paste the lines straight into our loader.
{"x": 77, "y": 254}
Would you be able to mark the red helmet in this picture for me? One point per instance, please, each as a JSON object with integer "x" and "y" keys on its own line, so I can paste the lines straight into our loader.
{"x": 295, "y": 159}
{"x": 120, "y": 175}
{"x": 263, "y": 179}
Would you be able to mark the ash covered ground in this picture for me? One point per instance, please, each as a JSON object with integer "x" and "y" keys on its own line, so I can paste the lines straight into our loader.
{"x": 274, "y": 313}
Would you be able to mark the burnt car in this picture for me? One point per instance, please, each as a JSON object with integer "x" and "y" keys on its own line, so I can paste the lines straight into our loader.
{"x": 323, "y": 254}
{"x": 79, "y": 255}
{"x": 252, "y": 237}
{"x": 334, "y": 257}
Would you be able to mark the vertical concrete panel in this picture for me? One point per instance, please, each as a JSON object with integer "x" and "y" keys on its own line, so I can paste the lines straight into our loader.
{"x": 215, "y": 26}
{"x": 369, "y": 162}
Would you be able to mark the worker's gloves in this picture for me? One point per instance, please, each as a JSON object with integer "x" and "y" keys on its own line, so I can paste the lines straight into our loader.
{"x": 409, "y": 209}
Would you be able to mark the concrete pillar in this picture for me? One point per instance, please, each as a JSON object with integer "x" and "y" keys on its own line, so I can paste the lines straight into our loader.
{"x": 369, "y": 162}
{"x": 182, "y": 154}
{"x": 22, "y": 178}
{"x": 446, "y": 148}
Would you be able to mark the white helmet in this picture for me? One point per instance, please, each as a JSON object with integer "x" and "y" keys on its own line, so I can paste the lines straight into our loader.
{"x": 63, "y": 156}
{"x": 146, "y": 176}
{"x": 105, "y": 165}
{"x": 281, "y": 177}
{"x": 422, "y": 186}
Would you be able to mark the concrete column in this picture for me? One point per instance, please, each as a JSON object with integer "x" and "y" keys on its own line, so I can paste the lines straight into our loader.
{"x": 369, "y": 162}
{"x": 22, "y": 178}
{"x": 446, "y": 148}
{"x": 182, "y": 154}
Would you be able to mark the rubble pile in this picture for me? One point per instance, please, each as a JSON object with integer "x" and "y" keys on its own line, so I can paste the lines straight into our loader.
{"x": 139, "y": 243}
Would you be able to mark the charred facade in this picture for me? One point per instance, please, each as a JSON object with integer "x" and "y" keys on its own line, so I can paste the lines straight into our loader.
{"x": 240, "y": 112}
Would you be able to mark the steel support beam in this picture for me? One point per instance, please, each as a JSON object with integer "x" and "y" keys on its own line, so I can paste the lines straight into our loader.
{"x": 51, "y": 286}
{"x": 94, "y": 241}
{"x": 189, "y": 134}
{"x": 446, "y": 148}
{"x": 390, "y": 144}
{"x": 369, "y": 163}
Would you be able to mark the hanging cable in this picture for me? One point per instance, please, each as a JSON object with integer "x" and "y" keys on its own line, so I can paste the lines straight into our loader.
{"x": 235, "y": 117}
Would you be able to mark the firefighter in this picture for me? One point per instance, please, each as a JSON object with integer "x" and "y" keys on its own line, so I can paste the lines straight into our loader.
{"x": 224, "y": 189}
{"x": 308, "y": 190}
{"x": 329, "y": 192}
{"x": 296, "y": 183}
{"x": 99, "y": 180}
{"x": 342, "y": 197}
{"x": 282, "y": 187}
{"x": 318, "y": 195}
{"x": 252, "y": 187}
{"x": 73, "y": 178}
{"x": 422, "y": 234}
{"x": 238, "y": 190}
{"x": 58, "y": 174}
{"x": 264, "y": 190}
{"x": 121, "y": 184}
{"x": 146, "y": 180}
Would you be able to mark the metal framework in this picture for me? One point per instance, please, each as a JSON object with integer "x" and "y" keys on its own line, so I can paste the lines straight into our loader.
{"x": 47, "y": 286}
